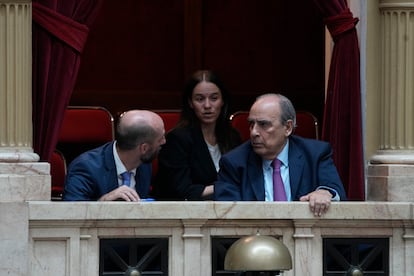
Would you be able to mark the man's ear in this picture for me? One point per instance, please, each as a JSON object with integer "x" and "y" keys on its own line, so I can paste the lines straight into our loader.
{"x": 143, "y": 148}
{"x": 289, "y": 127}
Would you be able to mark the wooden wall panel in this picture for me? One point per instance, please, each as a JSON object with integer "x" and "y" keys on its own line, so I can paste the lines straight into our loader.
{"x": 140, "y": 52}
{"x": 134, "y": 56}
{"x": 267, "y": 46}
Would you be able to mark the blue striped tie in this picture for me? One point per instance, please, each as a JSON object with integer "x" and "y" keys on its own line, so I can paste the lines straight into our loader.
{"x": 126, "y": 178}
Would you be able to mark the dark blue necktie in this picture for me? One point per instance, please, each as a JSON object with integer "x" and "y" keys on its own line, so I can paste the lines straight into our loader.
{"x": 126, "y": 178}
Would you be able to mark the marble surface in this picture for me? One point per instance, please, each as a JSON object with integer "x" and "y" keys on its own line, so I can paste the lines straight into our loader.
{"x": 216, "y": 210}
{"x": 25, "y": 181}
{"x": 14, "y": 232}
{"x": 390, "y": 182}
{"x": 41, "y": 237}
{"x": 49, "y": 238}
{"x": 75, "y": 228}
{"x": 16, "y": 155}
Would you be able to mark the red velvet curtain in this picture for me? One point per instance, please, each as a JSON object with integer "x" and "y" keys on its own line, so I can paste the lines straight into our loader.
{"x": 60, "y": 30}
{"x": 342, "y": 122}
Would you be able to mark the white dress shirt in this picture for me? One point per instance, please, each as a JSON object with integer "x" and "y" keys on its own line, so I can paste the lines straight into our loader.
{"x": 120, "y": 168}
{"x": 284, "y": 171}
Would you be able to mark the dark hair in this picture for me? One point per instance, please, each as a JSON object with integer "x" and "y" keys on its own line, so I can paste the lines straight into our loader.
{"x": 129, "y": 137}
{"x": 223, "y": 129}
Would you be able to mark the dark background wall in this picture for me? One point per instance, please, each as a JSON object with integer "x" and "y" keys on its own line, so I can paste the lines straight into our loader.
{"x": 140, "y": 52}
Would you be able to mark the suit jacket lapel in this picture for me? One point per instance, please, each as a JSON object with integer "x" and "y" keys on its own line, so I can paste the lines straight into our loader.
{"x": 110, "y": 168}
{"x": 296, "y": 164}
{"x": 139, "y": 178}
{"x": 255, "y": 176}
{"x": 201, "y": 146}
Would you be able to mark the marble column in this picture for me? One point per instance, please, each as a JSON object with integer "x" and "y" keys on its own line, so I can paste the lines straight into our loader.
{"x": 305, "y": 253}
{"x": 192, "y": 237}
{"x": 22, "y": 177}
{"x": 391, "y": 169}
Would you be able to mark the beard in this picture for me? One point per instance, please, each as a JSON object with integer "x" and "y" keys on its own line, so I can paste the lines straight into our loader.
{"x": 149, "y": 156}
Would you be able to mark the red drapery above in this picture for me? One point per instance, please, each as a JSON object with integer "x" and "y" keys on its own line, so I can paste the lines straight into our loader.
{"x": 342, "y": 123}
{"x": 60, "y": 30}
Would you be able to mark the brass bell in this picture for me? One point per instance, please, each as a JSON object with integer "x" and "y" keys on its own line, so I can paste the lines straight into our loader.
{"x": 355, "y": 271}
{"x": 258, "y": 253}
{"x": 132, "y": 271}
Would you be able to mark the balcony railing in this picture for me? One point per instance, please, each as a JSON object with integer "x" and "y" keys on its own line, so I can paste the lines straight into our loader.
{"x": 190, "y": 238}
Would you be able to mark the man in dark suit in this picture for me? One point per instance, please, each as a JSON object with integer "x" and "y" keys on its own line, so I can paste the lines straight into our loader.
{"x": 98, "y": 174}
{"x": 307, "y": 169}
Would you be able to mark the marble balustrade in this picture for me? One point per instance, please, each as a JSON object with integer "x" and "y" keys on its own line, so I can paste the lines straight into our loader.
{"x": 63, "y": 237}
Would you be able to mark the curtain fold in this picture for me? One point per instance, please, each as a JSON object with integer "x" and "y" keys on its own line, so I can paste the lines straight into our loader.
{"x": 66, "y": 29}
{"x": 59, "y": 33}
{"x": 342, "y": 122}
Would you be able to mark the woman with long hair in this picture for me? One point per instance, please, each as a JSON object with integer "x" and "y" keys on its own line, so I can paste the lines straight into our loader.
{"x": 189, "y": 161}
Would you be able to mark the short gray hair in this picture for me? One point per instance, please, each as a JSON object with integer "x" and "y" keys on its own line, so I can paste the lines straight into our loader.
{"x": 287, "y": 109}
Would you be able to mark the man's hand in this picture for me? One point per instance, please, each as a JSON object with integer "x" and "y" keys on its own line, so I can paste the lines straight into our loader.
{"x": 319, "y": 201}
{"x": 122, "y": 192}
{"x": 208, "y": 191}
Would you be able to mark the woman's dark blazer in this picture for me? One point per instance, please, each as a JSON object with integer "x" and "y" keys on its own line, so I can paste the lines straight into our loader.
{"x": 185, "y": 166}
